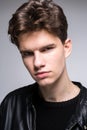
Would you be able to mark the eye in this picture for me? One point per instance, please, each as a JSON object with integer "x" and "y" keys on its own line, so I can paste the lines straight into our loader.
{"x": 26, "y": 54}
{"x": 46, "y": 49}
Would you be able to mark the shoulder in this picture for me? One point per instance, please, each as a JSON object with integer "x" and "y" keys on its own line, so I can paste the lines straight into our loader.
{"x": 82, "y": 88}
{"x": 16, "y": 103}
{"x": 82, "y": 105}
{"x": 19, "y": 94}
{"x": 83, "y": 93}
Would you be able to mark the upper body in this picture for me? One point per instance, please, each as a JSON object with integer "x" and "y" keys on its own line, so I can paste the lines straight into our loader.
{"x": 18, "y": 110}
{"x": 39, "y": 29}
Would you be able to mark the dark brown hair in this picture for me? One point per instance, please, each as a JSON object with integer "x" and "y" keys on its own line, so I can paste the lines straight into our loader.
{"x": 36, "y": 15}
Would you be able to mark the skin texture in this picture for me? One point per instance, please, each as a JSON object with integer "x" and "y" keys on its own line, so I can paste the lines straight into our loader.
{"x": 44, "y": 55}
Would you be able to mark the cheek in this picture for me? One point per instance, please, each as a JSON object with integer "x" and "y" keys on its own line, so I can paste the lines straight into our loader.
{"x": 56, "y": 59}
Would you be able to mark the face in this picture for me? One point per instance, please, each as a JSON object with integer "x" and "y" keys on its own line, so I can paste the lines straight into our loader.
{"x": 44, "y": 56}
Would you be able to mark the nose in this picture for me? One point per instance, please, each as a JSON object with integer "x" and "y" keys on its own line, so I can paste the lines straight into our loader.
{"x": 38, "y": 60}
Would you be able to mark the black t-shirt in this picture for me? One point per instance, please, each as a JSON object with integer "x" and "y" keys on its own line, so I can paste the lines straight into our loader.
{"x": 54, "y": 116}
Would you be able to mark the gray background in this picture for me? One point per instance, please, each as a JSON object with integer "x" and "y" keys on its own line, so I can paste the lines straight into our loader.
{"x": 13, "y": 74}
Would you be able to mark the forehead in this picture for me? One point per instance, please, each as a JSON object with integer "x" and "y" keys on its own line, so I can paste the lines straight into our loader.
{"x": 37, "y": 39}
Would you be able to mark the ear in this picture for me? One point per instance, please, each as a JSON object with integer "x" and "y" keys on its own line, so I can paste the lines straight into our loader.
{"x": 67, "y": 47}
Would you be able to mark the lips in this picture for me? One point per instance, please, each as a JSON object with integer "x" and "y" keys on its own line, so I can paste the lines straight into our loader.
{"x": 41, "y": 75}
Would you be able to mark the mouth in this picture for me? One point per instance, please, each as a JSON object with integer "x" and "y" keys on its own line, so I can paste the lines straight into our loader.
{"x": 41, "y": 75}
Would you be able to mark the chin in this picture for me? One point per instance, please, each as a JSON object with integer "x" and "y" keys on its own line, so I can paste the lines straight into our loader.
{"x": 45, "y": 83}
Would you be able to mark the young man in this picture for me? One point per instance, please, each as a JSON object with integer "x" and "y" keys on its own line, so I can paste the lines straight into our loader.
{"x": 39, "y": 29}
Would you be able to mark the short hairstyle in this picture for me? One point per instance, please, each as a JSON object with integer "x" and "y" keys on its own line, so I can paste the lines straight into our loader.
{"x": 36, "y": 15}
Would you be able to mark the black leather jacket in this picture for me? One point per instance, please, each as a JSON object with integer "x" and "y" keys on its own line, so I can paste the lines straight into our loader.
{"x": 17, "y": 111}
